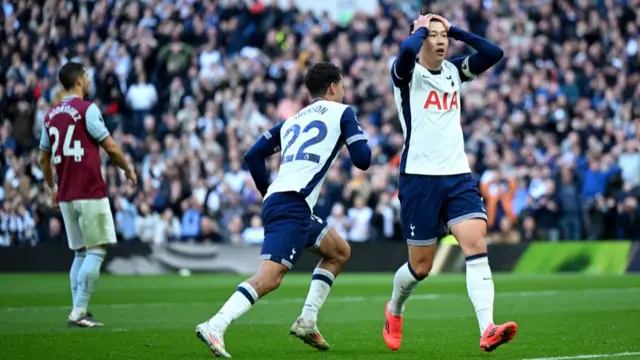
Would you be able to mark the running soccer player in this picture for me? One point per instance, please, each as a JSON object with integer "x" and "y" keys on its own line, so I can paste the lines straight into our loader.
{"x": 437, "y": 192}
{"x": 309, "y": 143}
{"x": 71, "y": 138}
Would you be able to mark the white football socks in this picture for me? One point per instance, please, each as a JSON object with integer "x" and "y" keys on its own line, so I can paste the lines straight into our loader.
{"x": 87, "y": 279}
{"x": 321, "y": 283}
{"x": 238, "y": 304}
{"x": 480, "y": 289}
{"x": 404, "y": 282}
{"x": 73, "y": 274}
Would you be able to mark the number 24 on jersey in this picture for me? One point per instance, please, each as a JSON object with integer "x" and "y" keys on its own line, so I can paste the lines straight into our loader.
{"x": 77, "y": 151}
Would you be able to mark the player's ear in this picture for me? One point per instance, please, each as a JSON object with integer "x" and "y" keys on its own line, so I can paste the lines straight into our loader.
{"x": 333, "y": 89}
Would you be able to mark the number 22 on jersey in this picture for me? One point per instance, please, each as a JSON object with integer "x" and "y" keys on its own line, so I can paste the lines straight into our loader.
{"x": 301, "y": 154}
{"x": 77, "y": 152}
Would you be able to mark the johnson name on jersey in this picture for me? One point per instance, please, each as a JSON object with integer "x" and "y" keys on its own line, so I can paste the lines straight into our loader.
{"x": 430, "y": 119}
{"x": 310, "y": 142}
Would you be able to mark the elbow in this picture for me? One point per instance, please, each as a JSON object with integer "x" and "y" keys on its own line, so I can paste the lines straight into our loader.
{"x": 45, "y": 159}
{"x": 363, "y": 163}
{"x": 364, "y": 166}
{"x": 111, "y": 150}
{"x": 498, "y": 54}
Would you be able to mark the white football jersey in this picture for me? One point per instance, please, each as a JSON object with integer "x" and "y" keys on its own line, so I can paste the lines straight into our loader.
{"x": 310, "y": 143}
{"x": 429, "y": 112}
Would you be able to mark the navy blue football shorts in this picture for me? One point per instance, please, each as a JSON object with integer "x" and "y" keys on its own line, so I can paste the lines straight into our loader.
{"x": 430, "y": 205}
{"x": 289, "y": 228}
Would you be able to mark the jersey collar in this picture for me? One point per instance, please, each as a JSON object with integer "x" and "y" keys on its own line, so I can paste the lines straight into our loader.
{"x": 433, "y": 72}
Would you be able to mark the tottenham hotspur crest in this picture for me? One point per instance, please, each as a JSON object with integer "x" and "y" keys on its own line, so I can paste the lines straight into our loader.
{"x": 412, "y": 230}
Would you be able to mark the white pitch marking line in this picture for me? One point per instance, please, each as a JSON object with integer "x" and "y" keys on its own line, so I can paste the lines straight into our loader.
{"x": 595, "y": 356}
{"x": 337, "y": 299}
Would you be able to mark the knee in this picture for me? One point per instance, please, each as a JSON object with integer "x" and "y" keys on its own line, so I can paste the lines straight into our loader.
{"x": 471, "y": 235}
{"x": 421, "y": 269}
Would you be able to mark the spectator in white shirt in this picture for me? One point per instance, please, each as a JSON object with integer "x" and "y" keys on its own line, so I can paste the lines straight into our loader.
{"x": 236, "y": 177}
{"x": 209, "y": 55}
{"x": 146, "y": 224}
{"x": 254, "y": 235}
{"x": 629, "y": 162}
{"x": 338, "y": 220}
{"x": 359, "y": 221}
{"x": 169, "y": 228}
{"x": 141, "y": 98}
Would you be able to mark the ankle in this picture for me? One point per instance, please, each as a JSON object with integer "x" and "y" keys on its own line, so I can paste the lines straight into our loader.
{"x": 78, "y": 312}
{"x": 309, "y": 317}
{"x": 217, "y": 324}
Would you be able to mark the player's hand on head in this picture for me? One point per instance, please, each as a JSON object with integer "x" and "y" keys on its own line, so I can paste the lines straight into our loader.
{"x": 443, "y": 20}
{"x": 422, "y": 22}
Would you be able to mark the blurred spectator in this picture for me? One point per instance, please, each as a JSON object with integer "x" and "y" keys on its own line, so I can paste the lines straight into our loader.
{"x": 507, "y": 234}
{"x": 187, "y": 86}
{"x": 255, "y": 234}
{"x": 568, "y": 199}
{"x": 141, "y": 97}
{"x": 359, "y": 217}
{"x": 338, "y": 220}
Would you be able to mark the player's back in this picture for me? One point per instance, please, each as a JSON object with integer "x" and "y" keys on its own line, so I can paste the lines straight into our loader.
{"x": 310, "y": 140}
{"x": 430, "y": 117}
{"x": 75, "y": 153}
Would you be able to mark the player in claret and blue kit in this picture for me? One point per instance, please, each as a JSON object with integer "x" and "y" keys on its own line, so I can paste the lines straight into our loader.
{"x": 71, "y": 138}
{"x": 437, "y": 192}
{"x": 309, "y": 143}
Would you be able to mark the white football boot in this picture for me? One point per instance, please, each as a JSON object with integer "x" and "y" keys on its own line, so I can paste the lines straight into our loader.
{"x": 214, "y": 339}
{"x": 308, "y": 333}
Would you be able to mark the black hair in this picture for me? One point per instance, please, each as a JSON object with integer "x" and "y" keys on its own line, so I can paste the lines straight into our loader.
{"x": 69, "y": 74}
{"x": 320, "y": 76}
{"x": 423, "y": 11}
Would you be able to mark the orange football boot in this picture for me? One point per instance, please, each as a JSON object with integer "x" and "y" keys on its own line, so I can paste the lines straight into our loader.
{"x": 496, "y": 335}
{"x": 392, "y": 332}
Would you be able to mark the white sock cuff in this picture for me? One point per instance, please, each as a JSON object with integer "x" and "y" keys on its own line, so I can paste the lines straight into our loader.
{"x": 97, "y": 252}
{"x": 248, "y": 291}
{"x": 477, "y": 260}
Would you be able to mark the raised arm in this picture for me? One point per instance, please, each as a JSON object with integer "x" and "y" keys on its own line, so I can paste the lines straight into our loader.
{"x": 356, "y": 140}
{"x": 404, "y": 64}
{"x": 487, "y": 55}
{"x": 267, "y": 145}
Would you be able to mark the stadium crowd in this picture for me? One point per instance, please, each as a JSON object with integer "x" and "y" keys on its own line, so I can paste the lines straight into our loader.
{"x": 186, "y": 86}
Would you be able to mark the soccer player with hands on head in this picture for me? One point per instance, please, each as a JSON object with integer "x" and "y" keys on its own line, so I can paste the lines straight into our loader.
{"x": 437, "y": 192}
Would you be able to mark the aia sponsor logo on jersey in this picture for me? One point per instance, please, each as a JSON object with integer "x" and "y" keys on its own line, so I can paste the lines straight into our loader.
{"x": 444, "y": 101}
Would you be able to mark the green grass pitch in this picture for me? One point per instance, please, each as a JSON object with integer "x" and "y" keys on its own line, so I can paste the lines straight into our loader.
{"x": 154, "y": 318}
